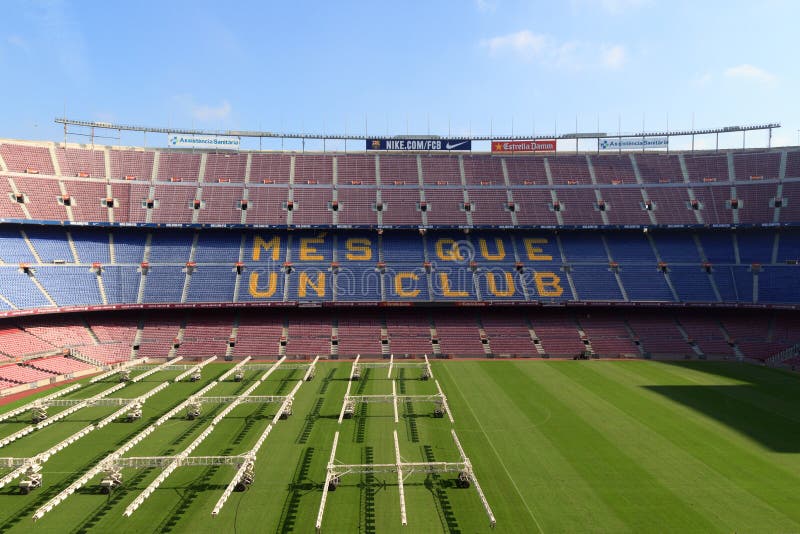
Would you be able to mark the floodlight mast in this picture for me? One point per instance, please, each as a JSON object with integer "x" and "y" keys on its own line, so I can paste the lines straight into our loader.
{"x": 471, "y": 474}
{"x": 328, "y": 480}
{"x": 44, "y": 456}
{"x": 60, "y": 415}
{"x": 181, "y": 458}
{"x": 251, "y": 455}
{"x": 194, "y": 369}
{"x": 103, "y": 464}
{"x": 311, "y": 369}
{"x": 121, "y": 367}
{"x": 444, "y": 402}
{"x": 399, "y": 461}
{"x": 349, "y": 385}
{"x": 233, "y": 369}
{"x": 394, "y": 401}
{"x": 156, "y": 369}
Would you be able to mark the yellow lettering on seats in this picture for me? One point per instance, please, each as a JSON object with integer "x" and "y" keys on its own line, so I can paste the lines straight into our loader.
{"x": 446, "y": 291}
{"x": 305, "y": 283}
{"x": 450, "y": 253}
{"x": 548, "y": 284}
{"x": 361, "y": 246}
{"x": 498, "y": 244}
{"x": 398, "y": 285}
{"x": 273, "y": 245}
{"x": 534, "y": 252}
{"x": 507, "y": 292}
{"x": 307, "y": 251}
{"x": 272, "y": 284}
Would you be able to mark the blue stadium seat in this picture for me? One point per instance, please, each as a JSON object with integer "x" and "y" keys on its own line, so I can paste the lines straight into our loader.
{"x": 121, "y": 283}
{"x": 354, "y": 283}
{"x": 50, "y": 243}
{"x": 718, "y": 247}
{"x": 406, "y": 282}
{"x": 777, "y": 284}
{"x": 402, "y": 248}
{"x": 19, "y": 289}
{"x": 12, "y": 247}
{"x": 70, "y": 286}
{"x": 218, "y": 247}
{"x": 164, "y": 283}
{"x": 583, "y": 247}
{"x": 593, "y": 282}
{"x": 501, "y": 282}
{"x": 92, "y": 246}
{"x": 645, "y": 283}
{"x": 691, "y": 283}
{"x": 676, "y": 247}
{"x": 129, "y": 246}
{"x": 170, "y": 246}
{"x": 630, "y": 248}
{"x": 789, "y": 246}
{"x": 211, "y": 283}
{"x": 755, "y": 246}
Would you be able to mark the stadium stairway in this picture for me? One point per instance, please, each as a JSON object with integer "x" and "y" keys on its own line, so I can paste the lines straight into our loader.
{"x": 178, "y": 339}
{"x": 76, "y": 353}
{"x": 730, "y": 340}
{"x": 233, "y": 336}
{"x": 695, "y": 347}
{"x": 102, "y": 288}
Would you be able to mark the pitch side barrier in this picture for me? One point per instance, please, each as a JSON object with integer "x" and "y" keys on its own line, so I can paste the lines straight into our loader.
{"x": 100, "y": 466}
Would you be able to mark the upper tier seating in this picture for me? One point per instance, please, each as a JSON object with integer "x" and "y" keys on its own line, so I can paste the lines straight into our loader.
{"x": 255, "y": 188}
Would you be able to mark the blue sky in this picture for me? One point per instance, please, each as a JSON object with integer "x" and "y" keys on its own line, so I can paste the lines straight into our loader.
{"x": 477, "y": 66}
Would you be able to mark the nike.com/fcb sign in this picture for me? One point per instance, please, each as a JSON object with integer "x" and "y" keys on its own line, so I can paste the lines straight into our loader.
{"x": 422, "y": 145}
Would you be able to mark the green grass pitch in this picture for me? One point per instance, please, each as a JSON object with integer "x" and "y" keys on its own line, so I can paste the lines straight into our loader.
{"x": 558, "y": 446}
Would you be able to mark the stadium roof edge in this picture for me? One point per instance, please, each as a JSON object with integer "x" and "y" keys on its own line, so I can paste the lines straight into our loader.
{"x": 316, "y": 136}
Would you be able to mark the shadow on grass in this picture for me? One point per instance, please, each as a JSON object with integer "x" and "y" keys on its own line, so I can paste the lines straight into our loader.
{"x": 438, "y": 487}
{"x": 310, "y": 421}
{"x": 39, "y": 497}
{"x": 326, "y": 382}
{"x": 299, "y": 486}
{"x": 728, "y": 405}
{"x": 114, "y": 498}
{"x": 368, "y": 495}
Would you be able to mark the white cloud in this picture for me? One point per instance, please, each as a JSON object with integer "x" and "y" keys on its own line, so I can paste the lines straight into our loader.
{"x": 523, "y": 43}
{"x": 545, "y": 49}
{"x": 703, "y": 80}
{"x": 486, "y": 6}
{"x": 17, "y": 42}
{"x": 613, "y": 7}
{"x": 614, "y": 56}
{"x": 203, "y": 112}
{"x": 746, "y": 71}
